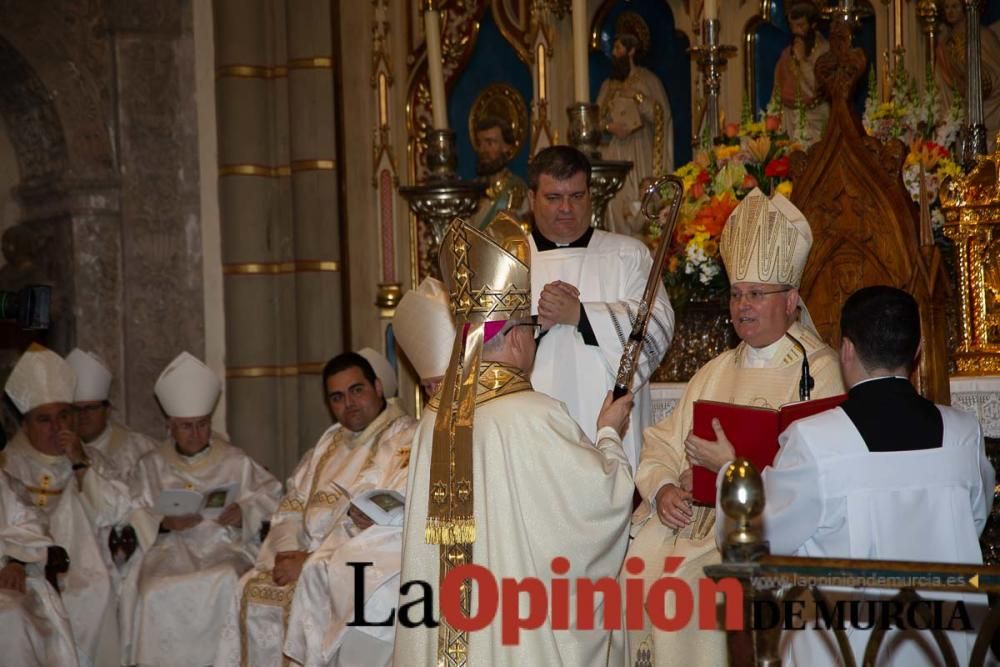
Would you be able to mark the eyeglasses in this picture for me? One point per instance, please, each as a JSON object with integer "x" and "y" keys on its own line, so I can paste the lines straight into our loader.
{"x": 754, "y": 296}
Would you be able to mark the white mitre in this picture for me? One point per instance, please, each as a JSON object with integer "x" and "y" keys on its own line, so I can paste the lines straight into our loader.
{"x": 93, "y": 379}
{"x": 383, "y": 370}
{"x": 765, "y": 241}
{"x": 40, "y": 377}
{"x": 425, "y": 328}
{"x": 187, "y": 387}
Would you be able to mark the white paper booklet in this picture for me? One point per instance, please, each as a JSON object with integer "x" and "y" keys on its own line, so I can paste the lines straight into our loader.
{"x": 383, "y": 506}
{"x": 180, "y": 502}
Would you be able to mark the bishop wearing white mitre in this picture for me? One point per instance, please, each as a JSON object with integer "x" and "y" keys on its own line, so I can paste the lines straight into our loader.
{"x": 120, "y": 446}
{"x": 368, "y": 448}
{"x": 35, "y": 626}
{"x": 74, "y": 490}
{"x": 196, "y": 545}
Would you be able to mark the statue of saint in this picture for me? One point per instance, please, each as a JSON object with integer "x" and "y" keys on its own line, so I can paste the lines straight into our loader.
{"x": 804, "y": 113}
{"x": 505, "y": 190}
{"x": 635, "y": 115}
{"x": 951, "y": 67}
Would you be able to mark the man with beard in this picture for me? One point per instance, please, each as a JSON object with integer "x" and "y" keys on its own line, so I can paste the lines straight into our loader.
{"x": 804, "y": 112}
{"x": 505, "y": 191}
{"x": 635, "y": 116}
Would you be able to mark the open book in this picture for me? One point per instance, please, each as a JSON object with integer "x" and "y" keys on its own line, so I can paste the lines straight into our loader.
{"x": 753, "y": 432}
{"x": 383, "y": 506}
{"x": 179, "y": 502}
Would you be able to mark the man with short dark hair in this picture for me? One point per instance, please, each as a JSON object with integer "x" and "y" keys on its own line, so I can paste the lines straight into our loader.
{"x": 302, "y": 560}
{"x": 587, "y": 287}
{"x": 505, "y": 190}
{"x": 887, "y": 476}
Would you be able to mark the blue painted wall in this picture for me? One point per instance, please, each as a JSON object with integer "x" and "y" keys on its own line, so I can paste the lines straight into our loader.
{"x": 667, "y": 57}
{"x": 773, "y": 37}
{"x": 493, "y": 60}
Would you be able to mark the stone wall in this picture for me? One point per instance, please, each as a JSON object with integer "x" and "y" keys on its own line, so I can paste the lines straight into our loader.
{"x": 98, "y": 100}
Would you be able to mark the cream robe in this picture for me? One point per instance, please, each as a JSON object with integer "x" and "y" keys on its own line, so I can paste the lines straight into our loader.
{"x": 726, "y": 378}
{"x": 650, "y": 147}
{"x": 828, "y": 496}
{"x": 76, "y": 514}
{"x": 174, "y": 601}
{"x": 611, "y": 275}
{"x": 541, "y": 490}
{"x": 35, "y": 627}
{"x": 312, "y": 516}
{"x": 121, "y": 448}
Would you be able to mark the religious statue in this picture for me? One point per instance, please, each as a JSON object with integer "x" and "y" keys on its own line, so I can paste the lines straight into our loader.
{"x": 505, "y": 190}
{"x": 951, "y": 66}
{"x": 635, "y": 116}
{"x": 804, "y": 112}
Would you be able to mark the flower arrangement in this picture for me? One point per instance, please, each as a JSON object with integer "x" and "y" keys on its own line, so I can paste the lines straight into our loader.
{"x": 752, "y": 154}
{"x": 927, "y": 125}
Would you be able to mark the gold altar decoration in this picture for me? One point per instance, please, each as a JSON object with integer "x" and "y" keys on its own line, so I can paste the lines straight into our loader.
{"x": 971, "y": 208}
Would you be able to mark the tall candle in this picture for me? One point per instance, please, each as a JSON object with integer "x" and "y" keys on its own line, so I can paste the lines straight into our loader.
{"x": 711, "y": 10}
{"x": 435, "y": 69}
{"x": 581, "y": 71}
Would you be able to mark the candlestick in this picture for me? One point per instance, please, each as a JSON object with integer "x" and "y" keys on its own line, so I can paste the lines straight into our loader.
{"x": 581, "y": 68}
{"x": 435, "y": 69}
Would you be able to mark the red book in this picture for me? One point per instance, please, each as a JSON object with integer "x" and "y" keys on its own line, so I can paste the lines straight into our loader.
{"x": 753, "y": 432}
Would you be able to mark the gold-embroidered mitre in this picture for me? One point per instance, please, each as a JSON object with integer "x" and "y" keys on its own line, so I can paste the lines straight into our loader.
{"x": 488, "y": 277}
{"x": 487, "y": 272}
{"x": 765, "y": 241}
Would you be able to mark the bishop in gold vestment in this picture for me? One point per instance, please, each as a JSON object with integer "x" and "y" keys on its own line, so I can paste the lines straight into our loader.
{"x": 763, "y": 370}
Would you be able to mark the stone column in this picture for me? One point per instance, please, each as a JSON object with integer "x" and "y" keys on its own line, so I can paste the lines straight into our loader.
{"x": 315, "y": 206}
{"x": 256, "y": 229}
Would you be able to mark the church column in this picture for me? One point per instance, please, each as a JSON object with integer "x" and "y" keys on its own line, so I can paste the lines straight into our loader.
{"x": 258, "y": 246}
{"x": 319, "y": 264}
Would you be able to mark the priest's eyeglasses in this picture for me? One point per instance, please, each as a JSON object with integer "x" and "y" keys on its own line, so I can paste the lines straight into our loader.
{"x": 754, "y": 296}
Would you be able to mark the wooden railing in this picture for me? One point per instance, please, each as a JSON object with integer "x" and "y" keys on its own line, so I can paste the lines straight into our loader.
{"x": 770, "y": 581}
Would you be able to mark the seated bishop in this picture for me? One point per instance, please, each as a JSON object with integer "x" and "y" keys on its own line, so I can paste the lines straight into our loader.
{"x": 201, "y": 503}
{"x": 324, "y": 600}
{"x": 502, "y": 477}
{"x": 120, "y": 446}
{"x": 367, "y": 449}
{"x": 73, "y": 489}
{"x": 36, "y": 631}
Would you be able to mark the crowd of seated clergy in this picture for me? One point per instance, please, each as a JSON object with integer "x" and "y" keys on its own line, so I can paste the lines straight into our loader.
{"x": 187, "y": 552}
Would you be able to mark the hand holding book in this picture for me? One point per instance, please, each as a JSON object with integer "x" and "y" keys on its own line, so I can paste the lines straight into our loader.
{"x": 708, "y": 453}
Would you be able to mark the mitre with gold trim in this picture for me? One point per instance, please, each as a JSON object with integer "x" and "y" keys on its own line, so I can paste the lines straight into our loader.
{"x": 765, "y": 241}
{"x": 488, "y": 278}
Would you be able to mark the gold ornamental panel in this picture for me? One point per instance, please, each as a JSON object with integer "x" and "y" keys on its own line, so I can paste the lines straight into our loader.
{"x": 971, "y": 208}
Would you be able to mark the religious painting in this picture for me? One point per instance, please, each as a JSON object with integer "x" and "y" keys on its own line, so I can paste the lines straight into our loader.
{"x": 644, "y": 99}
{"x": 494, "y": 80}
{"x": 769, "y": 42}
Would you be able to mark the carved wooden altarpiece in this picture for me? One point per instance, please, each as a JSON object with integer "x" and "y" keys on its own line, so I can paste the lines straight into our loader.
{"x": 864, "y": 224}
